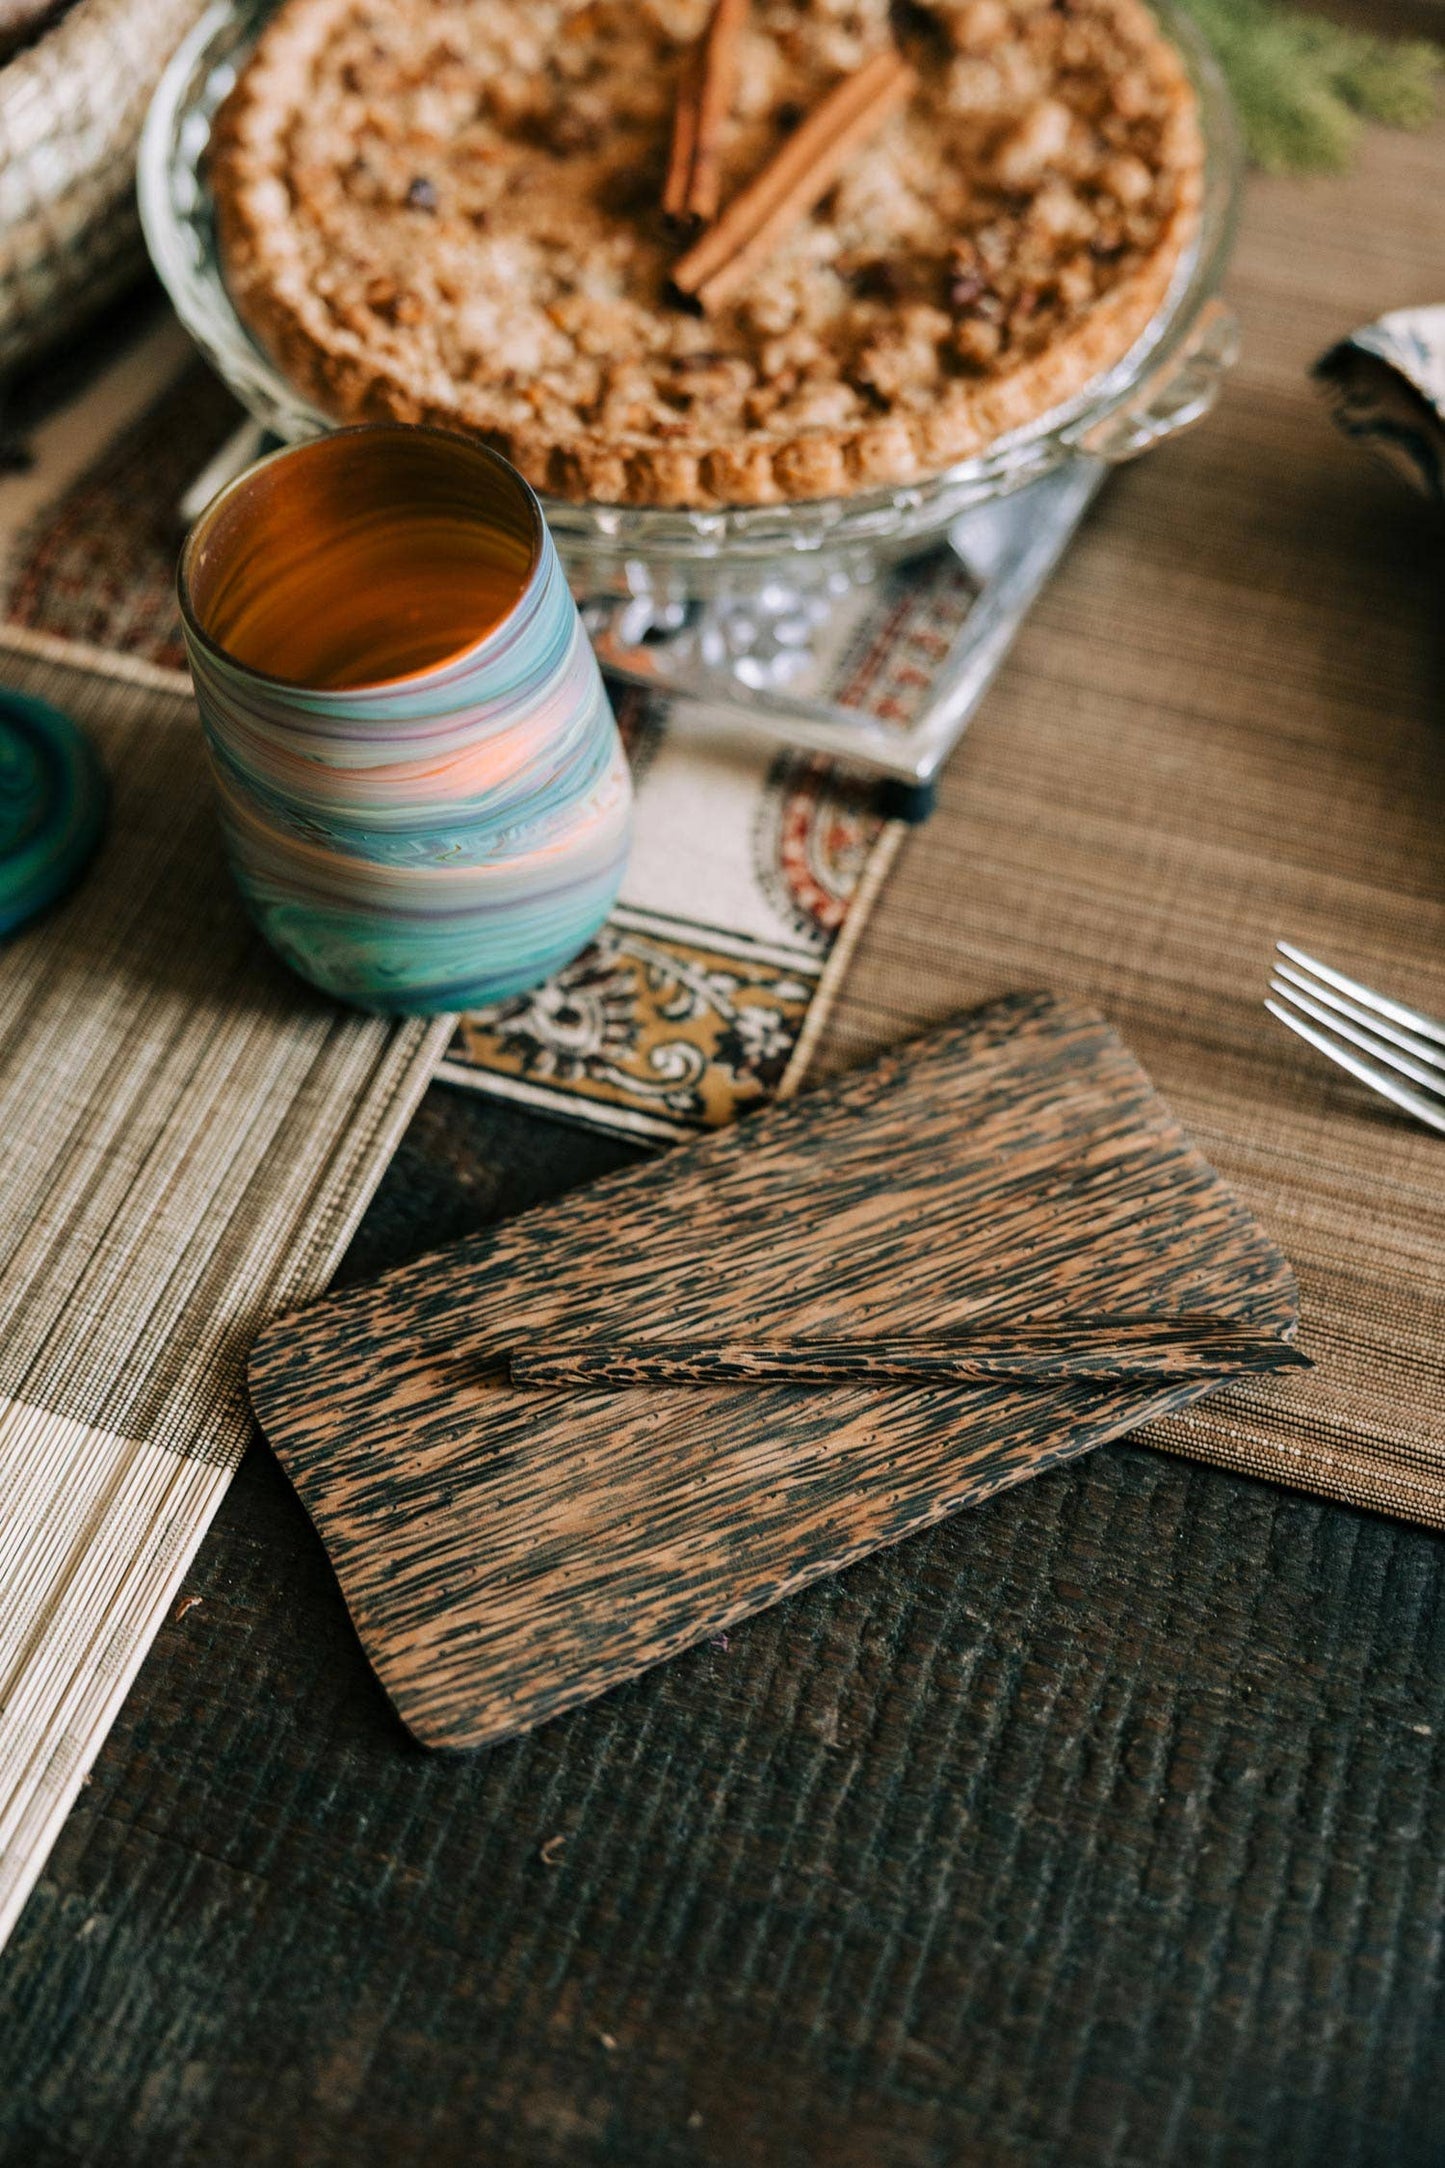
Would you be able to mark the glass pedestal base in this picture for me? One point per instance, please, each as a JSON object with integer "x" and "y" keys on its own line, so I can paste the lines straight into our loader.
{"x": 879, "y": 664}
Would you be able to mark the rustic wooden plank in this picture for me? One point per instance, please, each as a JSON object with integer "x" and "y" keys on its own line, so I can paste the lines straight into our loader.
{"x": 507, "y": 1553}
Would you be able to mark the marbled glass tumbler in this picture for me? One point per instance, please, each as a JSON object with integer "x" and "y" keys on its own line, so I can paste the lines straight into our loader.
{"x": 423, "y": 793}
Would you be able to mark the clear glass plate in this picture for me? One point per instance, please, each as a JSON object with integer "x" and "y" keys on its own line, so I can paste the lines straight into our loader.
{"x": 673, "y": 596}
{"x": 1126, "y": 410}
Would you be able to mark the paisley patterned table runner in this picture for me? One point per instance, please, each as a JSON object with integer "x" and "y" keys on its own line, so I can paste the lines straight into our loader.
{"x": 753, "y": 870}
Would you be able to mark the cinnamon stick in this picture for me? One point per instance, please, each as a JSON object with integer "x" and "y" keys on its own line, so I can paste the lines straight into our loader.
{"x": 797, "y": 177}
{"x": 704, "y": 102}
{"x": 715, "y": 104}
{"x": 684, "y": 137}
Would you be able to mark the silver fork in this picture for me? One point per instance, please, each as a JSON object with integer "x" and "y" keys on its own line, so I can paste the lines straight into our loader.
{"x": 1326, "y": 1008}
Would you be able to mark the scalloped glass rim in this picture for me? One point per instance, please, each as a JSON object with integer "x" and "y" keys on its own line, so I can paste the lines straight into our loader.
{"x": 175, "y": 209}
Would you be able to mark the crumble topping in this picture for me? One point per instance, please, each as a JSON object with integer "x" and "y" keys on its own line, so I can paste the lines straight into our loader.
{"x": 448, "y": 210}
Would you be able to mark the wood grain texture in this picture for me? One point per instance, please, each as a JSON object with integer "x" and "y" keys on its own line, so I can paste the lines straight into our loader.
{"x": 508, "y": 1554}
{"x": 1104, "y": 1348}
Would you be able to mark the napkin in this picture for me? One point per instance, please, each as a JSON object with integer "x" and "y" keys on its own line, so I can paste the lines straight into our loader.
{"x": 1387, "y": 383}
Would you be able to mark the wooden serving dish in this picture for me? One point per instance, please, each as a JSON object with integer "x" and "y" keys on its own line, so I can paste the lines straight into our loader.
{"x": 507, "y": 1554}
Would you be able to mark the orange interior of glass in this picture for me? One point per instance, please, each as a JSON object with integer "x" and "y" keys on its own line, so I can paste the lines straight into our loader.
{"x": 361, "y": 558}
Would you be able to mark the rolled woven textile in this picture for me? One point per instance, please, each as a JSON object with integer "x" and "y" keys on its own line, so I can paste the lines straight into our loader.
{"x": 438, "y": 837}
{"x": 71, "y": 108}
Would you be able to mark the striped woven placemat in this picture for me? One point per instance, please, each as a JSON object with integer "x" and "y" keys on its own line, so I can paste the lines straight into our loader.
{"x": 1222, "y": 726}
{"x": 188, "y": 1137}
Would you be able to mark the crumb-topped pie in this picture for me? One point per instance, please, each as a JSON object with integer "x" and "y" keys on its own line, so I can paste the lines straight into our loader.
{"x": 453, "y": 211}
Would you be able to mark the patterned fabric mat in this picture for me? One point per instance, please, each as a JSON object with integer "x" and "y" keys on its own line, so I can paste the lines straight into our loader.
{"x": 188, "y": 1138}
{"x": 753, "y": 870}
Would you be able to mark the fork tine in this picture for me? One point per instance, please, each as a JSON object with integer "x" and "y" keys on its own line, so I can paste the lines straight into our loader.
{"x": 1409, "y": 1042}
{"x": 1369, "y": 1042}
{"x": 1412, "y": 1019}
{"x": 1379, "y": 1080}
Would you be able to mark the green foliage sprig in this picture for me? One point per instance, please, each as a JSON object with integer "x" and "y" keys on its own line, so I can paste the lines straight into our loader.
{"x": 1304, "y": 85}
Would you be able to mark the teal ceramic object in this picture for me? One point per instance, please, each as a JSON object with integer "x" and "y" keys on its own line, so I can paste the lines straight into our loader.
{"x": 52, "y": 806}
{"x": 441, "y": 840}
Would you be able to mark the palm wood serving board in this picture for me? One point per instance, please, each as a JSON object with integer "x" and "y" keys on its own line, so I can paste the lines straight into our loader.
{"x": 508, "y": 1553}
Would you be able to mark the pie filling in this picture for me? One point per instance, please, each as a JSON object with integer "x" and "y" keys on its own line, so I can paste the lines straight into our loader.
{"x": 452, "y": 211}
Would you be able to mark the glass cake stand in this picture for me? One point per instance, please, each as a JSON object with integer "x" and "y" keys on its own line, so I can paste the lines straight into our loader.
{"x": 778, "y": 620}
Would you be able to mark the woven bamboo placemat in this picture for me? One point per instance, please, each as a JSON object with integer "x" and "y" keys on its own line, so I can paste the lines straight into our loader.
{"x": 1225, "y": 724}
{"x": 1220, "y": 727}
{"x": 187, "y": 1140}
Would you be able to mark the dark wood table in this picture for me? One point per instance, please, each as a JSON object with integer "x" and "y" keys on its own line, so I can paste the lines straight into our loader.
{"x": 1103, "y": 1825}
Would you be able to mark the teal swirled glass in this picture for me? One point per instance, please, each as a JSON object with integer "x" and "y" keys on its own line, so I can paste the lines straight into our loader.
{"x": 442, "y": 836}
